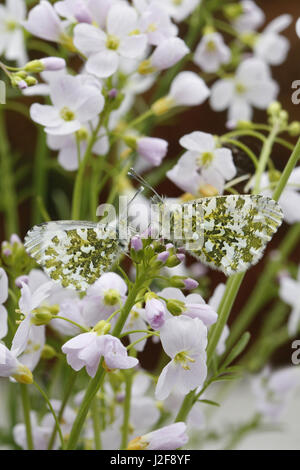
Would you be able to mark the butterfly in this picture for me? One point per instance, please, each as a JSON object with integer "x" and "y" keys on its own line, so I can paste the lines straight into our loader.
{"x": 234, "y": 232}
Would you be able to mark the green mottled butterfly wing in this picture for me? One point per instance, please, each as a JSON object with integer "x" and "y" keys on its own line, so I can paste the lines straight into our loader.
{"x": 74, "y": 253}
{"x": 236, "y": 230}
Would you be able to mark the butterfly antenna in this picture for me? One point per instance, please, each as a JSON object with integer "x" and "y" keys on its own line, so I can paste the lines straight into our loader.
{"x": 139, "y": 191}
{"x": 143, "y": 182}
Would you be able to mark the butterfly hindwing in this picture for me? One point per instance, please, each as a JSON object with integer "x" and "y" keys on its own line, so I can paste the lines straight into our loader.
{"x": 73, "y": 253}
{"x": 235, "y": 230}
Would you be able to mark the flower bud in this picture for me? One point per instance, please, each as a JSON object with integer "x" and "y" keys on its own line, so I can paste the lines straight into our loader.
{"x": 162, "y": 106}
{"x": 136, "y": 243}
{"x": 176, "y": 307}
{"x": 48, "y": 352}
{"x": 102, "y": 328}
{"x": 294, "y": 129}
{"x": 23, "y": 375}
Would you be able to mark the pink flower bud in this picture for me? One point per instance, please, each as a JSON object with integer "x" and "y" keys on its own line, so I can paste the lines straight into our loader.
{"x": 22, "y": 85}
{"x": 136, "y": 244}
{"x": 155, "y": 313}
{"x": 152, "y": 149}
{"x": 190, "y": 283}
{"x": 21, "y": 280}
{"x": 52, "y": 64}
{"x": 163, "y": 256}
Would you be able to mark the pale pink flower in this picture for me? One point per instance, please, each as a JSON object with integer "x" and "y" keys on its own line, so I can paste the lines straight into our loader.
{"x": 104, "y": 49}
{"x": 74, "y": 104}
{"x": 184, "y": 339}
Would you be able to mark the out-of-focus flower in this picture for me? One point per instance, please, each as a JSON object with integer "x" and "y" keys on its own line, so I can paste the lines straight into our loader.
{"x": 168, "y": 438}
{"x": 28, "y": 303}
{"x": 187, "y": 89}
{"x": 290, "y": 198}
{"x": 73, "y": 105}
{"x": 104, "y": 297}
{"x": 121, "y": 39}
{"x": 81, "y": 11}
{"x": 252, "y": 86}
{"x": 289, "y": 292}
{"x": 43, "y": 22}
{"x": 270, "y": 46}
{"x": 12, "y": 44}
{"x": 179, "y": 10}
{"x": 167, "y": 53}
{"x": 11, "y": 367}
{"x": 3, "y": 299}
{"x": 68, "y": 150}
{"x": 251, "y": 18}
{"x": 184, "y": 339}
{"x": 212, "y": 52}
{"x": 193, "y": 305}
{"x": 40, "y": 434}
{"x": 273, "y": 390}
{"x": 204, "y": 163}
{"x": 155, "y": 22}
{"x": 152, "y": 149}
{"x": 85, "y": 350}
{"x": 155, "y": 312}
{"x": 298, "y": 27}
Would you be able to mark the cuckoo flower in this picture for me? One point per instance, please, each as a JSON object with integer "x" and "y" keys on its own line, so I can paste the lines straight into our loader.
{"x": 252, "y": 86}
{"x": 12, "y": 44}
{"x": 212, "y": 52}
{"x": 104, "y": 297}
{"x": 179, "y": 10}
{"x": 155, "y": 22}
{"x": 193, "y": 305}
{"x": 170, "y": 437}
{"x": 270, "y": 46}
{"x": 251, "y": 18}
{"x": 184, "y": 339}
{"x": 67, "y": 145}
{"x": 187, "y": 89}
{"x": 86, "y": 350}
{"x": 203, "y": 164}
{"x": 121, "y": 39}
{"x": 74, "y": 103}
{"x": 43, "y": 22}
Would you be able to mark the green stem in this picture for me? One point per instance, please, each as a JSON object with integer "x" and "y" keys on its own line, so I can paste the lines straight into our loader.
{"x": 26, "y": 412}
{"x": 264, "y": 157}
{"x": 44, "y": 395}
{"x": 9, "y": 196}
{"x": 39, "y": 176}
{"x": 232, "y": 288}
{"x": 66, "y": 397}
{"x": 293, "y": 160}
{"x": 77, "y": 193}
{"x": 96, "y": 424}
{"x": 127, "y": 405}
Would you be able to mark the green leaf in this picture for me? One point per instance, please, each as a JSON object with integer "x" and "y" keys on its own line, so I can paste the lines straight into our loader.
{"x": 237, "y": 349}
{"x": 209, "y": 402}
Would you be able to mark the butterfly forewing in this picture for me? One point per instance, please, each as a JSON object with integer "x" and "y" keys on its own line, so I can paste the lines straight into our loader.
{"x": 73, "y": 253}
{"x": 235, "y": 230}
